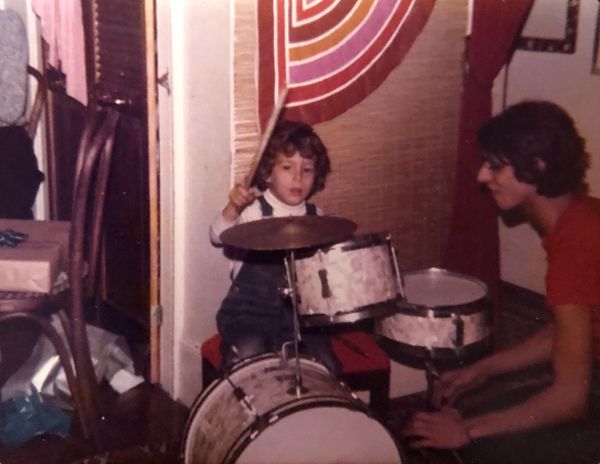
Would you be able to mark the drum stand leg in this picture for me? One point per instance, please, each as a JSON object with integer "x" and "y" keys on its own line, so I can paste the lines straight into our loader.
{"x": 296, "y": 388}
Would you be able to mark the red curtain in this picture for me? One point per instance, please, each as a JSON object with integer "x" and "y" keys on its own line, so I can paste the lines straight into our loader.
{"x": 473, "y": 241}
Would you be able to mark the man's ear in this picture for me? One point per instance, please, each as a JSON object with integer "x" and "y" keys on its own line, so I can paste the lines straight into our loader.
{"x": 540, "y": 165}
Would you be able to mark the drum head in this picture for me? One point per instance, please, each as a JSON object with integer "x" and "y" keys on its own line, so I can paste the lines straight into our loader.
{"x": 438, "y": 288}
{"x": 323, "y": 435}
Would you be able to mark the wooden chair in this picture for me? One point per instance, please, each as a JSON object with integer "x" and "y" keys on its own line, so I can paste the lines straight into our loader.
{"x": 365, "y": 366}
{"x": 37, "y": 108}
{"x": 91, "y": 178}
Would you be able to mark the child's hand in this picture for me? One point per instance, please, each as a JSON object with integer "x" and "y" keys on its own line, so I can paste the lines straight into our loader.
{"x": 239, "y": 197}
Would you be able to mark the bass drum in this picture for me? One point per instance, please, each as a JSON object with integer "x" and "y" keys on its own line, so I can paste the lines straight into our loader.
{"x": 446, "y": 318}
{"x": 252, "y": 416}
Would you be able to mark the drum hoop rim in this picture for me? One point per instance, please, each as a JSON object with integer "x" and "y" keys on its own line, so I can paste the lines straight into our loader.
{"x": 353, "y": 315}
{"x": 275, "y": 355}
{"x": 481, "y": 305}
{"x": 447, "y": 273}
{"x": 356, "y": 242}
{"x": 416, "y": 355}
{"x": 242, "y": 442}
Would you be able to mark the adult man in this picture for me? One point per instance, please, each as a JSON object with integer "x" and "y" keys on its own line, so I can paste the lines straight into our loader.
{"x": 534, "y": 159}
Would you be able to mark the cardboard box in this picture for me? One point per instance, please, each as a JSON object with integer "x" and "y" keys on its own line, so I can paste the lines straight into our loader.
{"x": 34, "y": 264}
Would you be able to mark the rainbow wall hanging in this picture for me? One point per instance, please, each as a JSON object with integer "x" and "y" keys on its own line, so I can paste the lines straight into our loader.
{"x": 331, "y": 54}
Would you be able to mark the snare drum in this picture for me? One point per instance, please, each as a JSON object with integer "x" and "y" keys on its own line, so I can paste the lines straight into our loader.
{"x": 446, "y": 317}
{"x": 252, "y": 417}
{"x": 348, "y": 281}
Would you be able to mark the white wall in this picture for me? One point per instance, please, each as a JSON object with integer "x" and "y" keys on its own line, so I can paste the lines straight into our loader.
{"x": 195, "y": 185}
{"x": 566, "y": 80}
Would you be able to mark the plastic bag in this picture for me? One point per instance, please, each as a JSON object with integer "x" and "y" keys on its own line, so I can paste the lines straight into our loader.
{"x": 42, "y": 372}
{"x": 24, "y": 417}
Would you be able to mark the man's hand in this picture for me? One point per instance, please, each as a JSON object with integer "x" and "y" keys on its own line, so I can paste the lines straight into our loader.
{"x": 444, "y": 429}
{"x": 451, "y": 384}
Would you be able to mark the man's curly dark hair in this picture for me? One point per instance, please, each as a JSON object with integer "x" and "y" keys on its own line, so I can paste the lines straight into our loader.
{"x": 531, "y": 132}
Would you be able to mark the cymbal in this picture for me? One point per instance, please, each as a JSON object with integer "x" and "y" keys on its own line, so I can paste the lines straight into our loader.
{"x": 288, "y": 233}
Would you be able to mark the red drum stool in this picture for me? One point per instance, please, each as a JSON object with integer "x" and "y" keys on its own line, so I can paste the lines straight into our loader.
{"x": 365, "y": 366}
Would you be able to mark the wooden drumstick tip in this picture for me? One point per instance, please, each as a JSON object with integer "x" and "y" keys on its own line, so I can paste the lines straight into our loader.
{"x": 266, "y": 136}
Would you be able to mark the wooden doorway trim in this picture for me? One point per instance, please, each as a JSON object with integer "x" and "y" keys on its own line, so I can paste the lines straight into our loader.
{"x": 153, "y": 186}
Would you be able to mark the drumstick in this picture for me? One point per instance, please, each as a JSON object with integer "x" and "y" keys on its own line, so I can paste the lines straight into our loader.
{"x": 266, "y": 136}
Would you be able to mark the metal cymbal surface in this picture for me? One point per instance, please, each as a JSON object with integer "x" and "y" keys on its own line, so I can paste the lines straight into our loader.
{"x": 288, "y": 233}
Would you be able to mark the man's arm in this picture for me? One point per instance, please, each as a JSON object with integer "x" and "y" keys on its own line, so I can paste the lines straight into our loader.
{"x": 571, "y": 355}
{"x": 534, "y": 350}
{"x": 566, "y": 398}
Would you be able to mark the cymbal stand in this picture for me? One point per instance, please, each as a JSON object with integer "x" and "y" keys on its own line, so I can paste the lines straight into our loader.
{"x": 290, "y": 267}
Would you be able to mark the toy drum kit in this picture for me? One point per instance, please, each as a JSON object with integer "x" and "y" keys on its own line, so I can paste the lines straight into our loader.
{"x": 284, "y": 409}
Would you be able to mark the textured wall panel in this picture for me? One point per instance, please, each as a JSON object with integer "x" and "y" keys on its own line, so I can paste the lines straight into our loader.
{"x": 393, "y": 154}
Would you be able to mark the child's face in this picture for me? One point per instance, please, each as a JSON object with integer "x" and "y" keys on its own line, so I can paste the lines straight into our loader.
{"x": 292, "y": 178}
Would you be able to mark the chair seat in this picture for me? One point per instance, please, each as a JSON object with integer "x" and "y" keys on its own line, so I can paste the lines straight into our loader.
{"x": 22, "y": 302}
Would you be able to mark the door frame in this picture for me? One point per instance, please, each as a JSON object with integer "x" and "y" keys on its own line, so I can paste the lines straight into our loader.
{"x": 164, "y": 355}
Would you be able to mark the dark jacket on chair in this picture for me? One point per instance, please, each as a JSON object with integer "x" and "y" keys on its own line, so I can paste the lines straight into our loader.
{"x": 20, "y": 177}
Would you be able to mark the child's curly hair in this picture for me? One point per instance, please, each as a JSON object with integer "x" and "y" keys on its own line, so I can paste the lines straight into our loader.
{"x": 288, "y": 138}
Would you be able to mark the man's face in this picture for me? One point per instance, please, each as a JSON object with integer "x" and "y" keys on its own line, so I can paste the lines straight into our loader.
{"x": 505, "y": 188}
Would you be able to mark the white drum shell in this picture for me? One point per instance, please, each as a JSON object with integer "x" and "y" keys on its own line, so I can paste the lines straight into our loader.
{"x": 360, "y": 272}
{"x": 440, "y": 300}
{"x": 324, "y": 425}
{"x": 434, "y": 332}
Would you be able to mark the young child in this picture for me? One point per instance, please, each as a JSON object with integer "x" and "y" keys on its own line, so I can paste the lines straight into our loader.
{"x": 255, "y": 317}
{"x": 535, "y": 159}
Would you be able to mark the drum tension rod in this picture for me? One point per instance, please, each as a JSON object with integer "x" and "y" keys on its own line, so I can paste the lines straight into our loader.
{"x": 459, "y": 324}
{"x": 244, "y": 399}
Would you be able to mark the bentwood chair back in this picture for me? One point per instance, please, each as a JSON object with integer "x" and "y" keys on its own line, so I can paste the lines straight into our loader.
{"x": 87, "y": 213}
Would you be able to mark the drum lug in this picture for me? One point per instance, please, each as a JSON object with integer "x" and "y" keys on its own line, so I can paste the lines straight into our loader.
{"x": 245, "y": 400}
{"x": 285, "y": 292}
{"x": 325, "y": 290}
{"x": 459, "y": 324}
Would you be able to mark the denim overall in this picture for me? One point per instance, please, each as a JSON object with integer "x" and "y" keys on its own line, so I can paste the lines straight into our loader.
{"x": 255, "y": 317}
